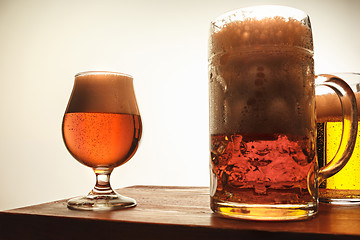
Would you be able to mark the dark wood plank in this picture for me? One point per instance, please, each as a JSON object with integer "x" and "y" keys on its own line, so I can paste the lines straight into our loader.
{"x": 169, "y": 212}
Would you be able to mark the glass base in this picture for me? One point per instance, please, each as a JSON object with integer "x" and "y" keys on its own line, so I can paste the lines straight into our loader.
{"x": 340, "y": 197}
{"x": 264, "y": 212}
{"x": 93, "y": 202}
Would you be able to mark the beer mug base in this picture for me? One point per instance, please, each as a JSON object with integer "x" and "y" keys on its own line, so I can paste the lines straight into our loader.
{"x": 264, "y": 212}
{"x": 340, "y": 197}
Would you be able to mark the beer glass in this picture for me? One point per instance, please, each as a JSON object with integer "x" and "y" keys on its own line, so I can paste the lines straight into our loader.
{"x": 101, "y": 129}
{"x": 263, "y": 162}
{"x": 344, "y": 187}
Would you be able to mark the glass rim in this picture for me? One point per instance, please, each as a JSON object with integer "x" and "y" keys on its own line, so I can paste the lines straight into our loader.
{"x": 85, "y": 73}
{"x": 341, "y": 73}
{"x": 350, "y": 78}
{"x": 260, "y": 12}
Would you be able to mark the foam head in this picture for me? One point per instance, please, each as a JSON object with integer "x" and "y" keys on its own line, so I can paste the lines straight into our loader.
{"x": 261, "y": 71}
{"x": 106, "y": 92}
{"x": 328, "y": 106}
{"x": 261, "y": 25}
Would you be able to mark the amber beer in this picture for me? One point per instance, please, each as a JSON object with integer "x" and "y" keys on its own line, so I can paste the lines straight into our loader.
{"x": 261, "y": 169}
{"x": 101, "y": 139}
{"x": 343, "y": 187}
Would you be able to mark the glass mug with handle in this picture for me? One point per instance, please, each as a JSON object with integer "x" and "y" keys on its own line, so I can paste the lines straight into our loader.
{"x": 263, "y": 162}
{"x": 344, "y": 187}
{"x": 101, "y": 129}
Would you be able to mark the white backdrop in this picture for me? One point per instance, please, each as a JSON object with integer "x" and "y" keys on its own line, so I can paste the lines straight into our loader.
{"x": 163, "y": 44}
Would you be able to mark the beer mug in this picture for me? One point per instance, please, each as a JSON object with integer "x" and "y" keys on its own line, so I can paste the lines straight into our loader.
{"x": 263, "y": 163}
{"x": 344, "y": 187}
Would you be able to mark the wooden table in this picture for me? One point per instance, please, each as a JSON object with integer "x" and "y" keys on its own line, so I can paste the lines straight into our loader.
{"x": 169, "y": 213}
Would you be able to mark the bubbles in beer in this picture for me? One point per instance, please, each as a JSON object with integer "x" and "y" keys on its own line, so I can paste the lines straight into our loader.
{"x": 270, "y": 163}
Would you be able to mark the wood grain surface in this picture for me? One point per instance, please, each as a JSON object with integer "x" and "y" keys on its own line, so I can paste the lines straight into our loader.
{"x": 169, "y": 213}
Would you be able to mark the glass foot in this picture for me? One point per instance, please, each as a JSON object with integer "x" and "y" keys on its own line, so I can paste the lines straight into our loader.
{"x": 93, "y": 202}
{"x": 341, "y": 201}
{"x": 340, "y": 197}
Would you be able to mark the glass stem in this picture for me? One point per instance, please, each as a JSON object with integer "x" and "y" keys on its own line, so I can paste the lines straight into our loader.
{"x": 102, "y": 185}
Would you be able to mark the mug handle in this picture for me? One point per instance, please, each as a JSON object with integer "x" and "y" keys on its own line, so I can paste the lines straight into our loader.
{"x": 350, "y": 124}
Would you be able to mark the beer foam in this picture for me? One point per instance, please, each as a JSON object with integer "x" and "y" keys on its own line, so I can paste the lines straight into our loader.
{"x": 254, "y": 32}
{"x": 106, "y": 92}
{"x": 328, "y": 107}
{"x": 262, "y": 77}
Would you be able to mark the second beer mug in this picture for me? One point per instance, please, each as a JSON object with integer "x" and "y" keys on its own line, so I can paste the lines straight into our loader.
{"x": 344, "y": 187}
{"x": 262, "y": 115}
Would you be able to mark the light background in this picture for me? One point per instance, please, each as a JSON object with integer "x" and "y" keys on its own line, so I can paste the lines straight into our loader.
{"x": 163, "y": 44}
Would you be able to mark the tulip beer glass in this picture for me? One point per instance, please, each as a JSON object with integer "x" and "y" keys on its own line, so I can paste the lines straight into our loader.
{"x": 263, "y": 161}
{"x": 102, "y": 129}
{"x": 344, "y": 187}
